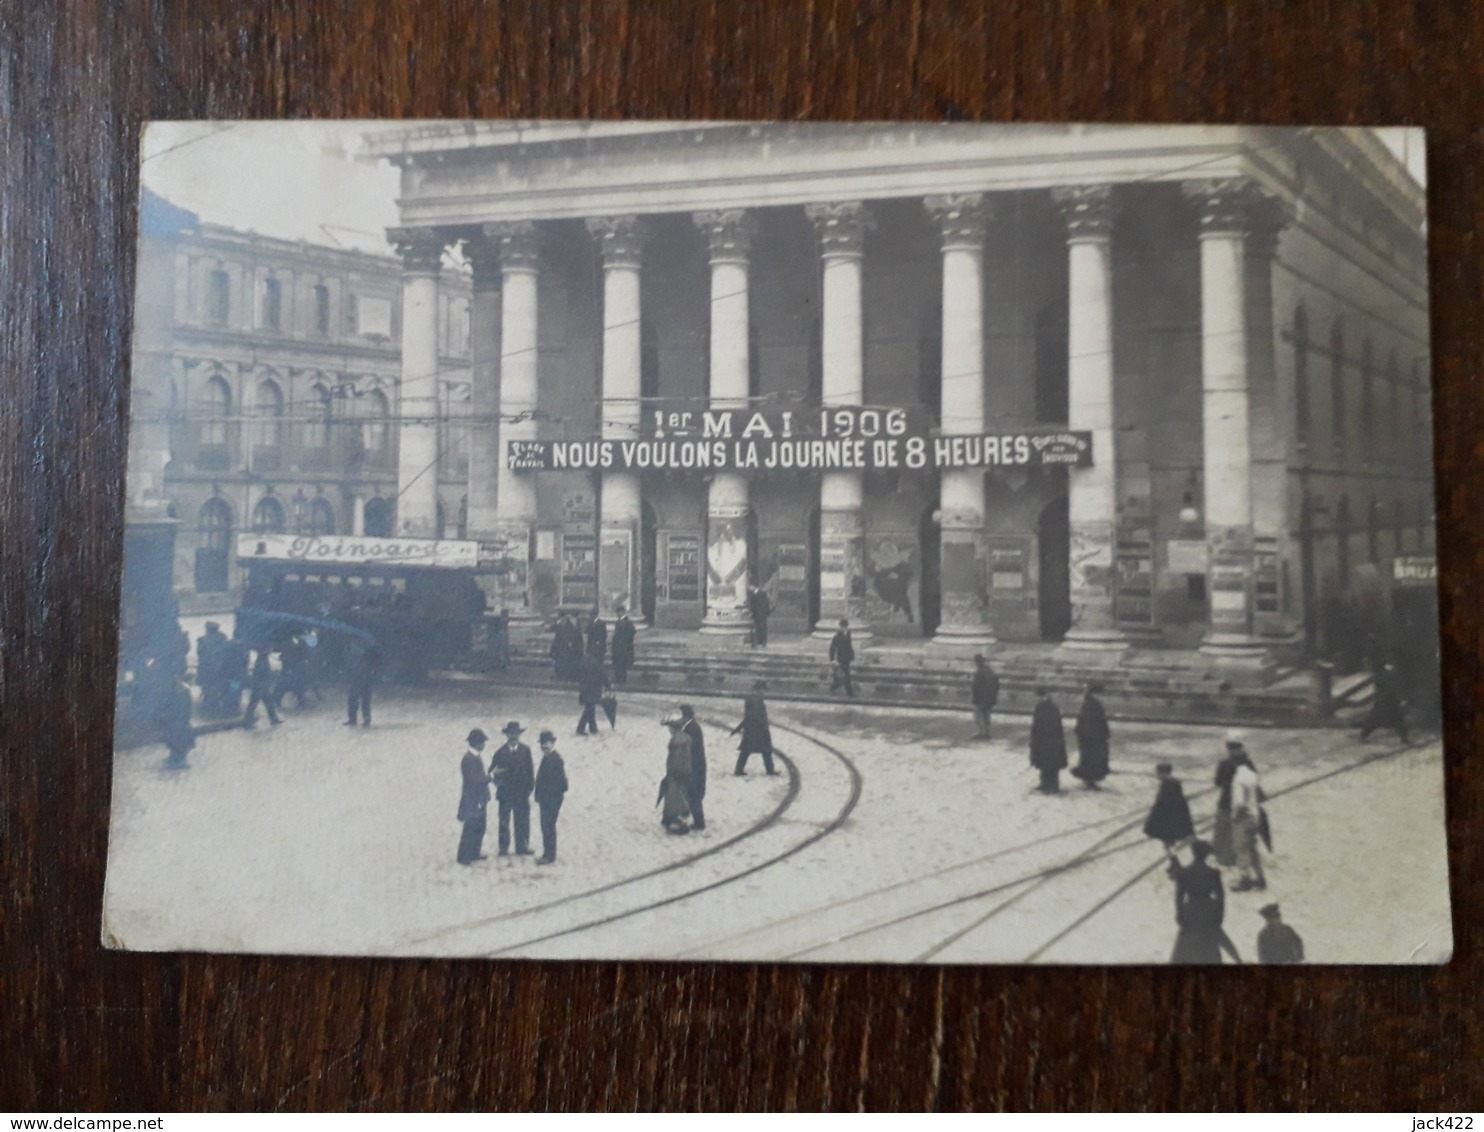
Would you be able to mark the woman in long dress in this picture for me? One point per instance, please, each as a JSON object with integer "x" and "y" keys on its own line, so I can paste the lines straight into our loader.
{"x": 675, "y": 788}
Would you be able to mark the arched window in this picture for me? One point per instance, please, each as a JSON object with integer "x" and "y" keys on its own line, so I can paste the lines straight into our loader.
{"x": 321, "y": 516}
{"x": 218, "y": 297}
{"x": 320, "y": 407}
{"x": 1337, "y": 385}
{"x": 1367, "y": 398}
{"x": 213, "y": 545}
{"x": 272, "y": 304}
{"x": 321, "y": 310}
{"x": 268, "y": 407}
{"x": 375, "y": 435}
{"x": 377, "y": 520}
{"x": 215, "y": 409}
{"x": 1301, "y": 373}
{"x": 268, "y": 517}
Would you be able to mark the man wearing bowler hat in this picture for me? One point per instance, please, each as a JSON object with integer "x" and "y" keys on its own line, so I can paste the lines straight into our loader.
{"x": 473, "y": 800}
{"x": 551, "y": 788}
{"x": 514, "y": 776}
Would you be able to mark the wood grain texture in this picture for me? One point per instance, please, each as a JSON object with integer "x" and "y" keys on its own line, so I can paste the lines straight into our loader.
{"x": 83, "y": 1028}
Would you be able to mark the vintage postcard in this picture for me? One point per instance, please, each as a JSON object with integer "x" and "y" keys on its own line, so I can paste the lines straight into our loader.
{"x": 901, "y": 543}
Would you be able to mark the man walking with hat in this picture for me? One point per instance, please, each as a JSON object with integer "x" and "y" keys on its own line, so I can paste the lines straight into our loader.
{"x": 692, "y": 727}
{"x": 473, "y": 800}
{"x": 514, "y": 775}
{"x": 551, "y": 788}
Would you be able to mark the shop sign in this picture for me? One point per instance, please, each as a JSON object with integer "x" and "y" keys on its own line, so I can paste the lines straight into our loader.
{"x": 347, "y": 550}
{"x": 1415, "y": 569}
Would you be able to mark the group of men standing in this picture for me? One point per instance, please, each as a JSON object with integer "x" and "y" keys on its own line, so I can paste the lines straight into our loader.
{"x": 586, "y": 638}
{"x": 516, "y": 780}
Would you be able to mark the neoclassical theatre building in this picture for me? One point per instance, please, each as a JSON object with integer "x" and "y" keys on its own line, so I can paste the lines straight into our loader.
{"x": 1226, "y": 326}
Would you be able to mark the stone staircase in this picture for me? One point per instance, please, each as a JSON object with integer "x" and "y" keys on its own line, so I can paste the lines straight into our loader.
{"x": 1139, "y": 685}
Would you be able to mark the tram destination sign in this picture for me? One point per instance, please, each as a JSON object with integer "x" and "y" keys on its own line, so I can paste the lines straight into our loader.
{"x": 809, "y": 441}
{"x": 347, "y": 550}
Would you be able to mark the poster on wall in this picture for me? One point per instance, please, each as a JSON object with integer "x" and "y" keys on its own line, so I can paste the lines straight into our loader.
{"x": 1030, "y": 482}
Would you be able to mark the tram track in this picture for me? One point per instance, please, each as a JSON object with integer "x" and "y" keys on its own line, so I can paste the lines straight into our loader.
{"x": 856, "y": 785}
{"x": 1019, "y": 886}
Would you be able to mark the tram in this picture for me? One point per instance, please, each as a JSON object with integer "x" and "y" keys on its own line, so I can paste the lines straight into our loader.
{"x": 420, "y": 600}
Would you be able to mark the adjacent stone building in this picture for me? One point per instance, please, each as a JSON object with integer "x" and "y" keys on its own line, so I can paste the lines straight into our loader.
{"x": 268, "y": 392}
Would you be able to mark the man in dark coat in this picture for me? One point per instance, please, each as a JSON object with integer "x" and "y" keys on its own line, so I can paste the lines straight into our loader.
{"x": 1277, "y": 942}
{"x": 363, "y": 669}
{"x": 985, "y": 693}
{"x": 597, "y": 635}
{"x": 692, "y": 727}
{"x": 551, "y": 788}
{"x": 173, "y": 719}
{"x": 1200, "y": 906}
{"x": 514, "y": 775}
{"x": 1092, "y": 739}
{"x": 757, "y": 736}
{"x": 592, "y": 681}
{"x": 211, "y": 669}
{"x": 1048, "y": 743}
{"x": 261, "y": 685}
{"x": 1388, "y": 712}
{"x": 566, "y": 648}
{"x": 1169, "y": 818}
{"x": 760, "y": 608}
{"x": 623, "y": 647}
{"x": 842, "y": 656}
{"x": 473, "y": 800}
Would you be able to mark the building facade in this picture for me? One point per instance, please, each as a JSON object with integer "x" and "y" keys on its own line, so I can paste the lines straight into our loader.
{"x": 1235, "y": 319}
{"x": 267, "y": 374}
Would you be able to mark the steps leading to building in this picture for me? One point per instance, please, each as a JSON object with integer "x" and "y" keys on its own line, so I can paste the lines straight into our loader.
{"x": 1193, "y": 692}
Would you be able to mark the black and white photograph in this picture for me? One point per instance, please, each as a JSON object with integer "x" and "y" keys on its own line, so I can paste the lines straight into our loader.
{"x": 785, "y": 542}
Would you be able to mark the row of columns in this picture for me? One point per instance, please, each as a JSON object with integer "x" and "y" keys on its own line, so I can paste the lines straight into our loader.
{"x": 502, "y": 503}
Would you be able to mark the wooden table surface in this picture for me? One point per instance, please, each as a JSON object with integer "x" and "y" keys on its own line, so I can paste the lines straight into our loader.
{"x": 86, "y": 1029}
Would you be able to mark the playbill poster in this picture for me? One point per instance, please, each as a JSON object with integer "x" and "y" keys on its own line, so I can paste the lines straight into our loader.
{"x": 788, "y": 542}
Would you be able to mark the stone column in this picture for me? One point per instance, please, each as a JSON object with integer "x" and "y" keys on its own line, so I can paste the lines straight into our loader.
{"x": 485, "y": 441}
{"x": 1092, "y": 493}
{"x": 842, "y": 229}
{"x": 1270, "y": 425}
{"x": 417, "y": 400}
{"x": 965, "y": 600}
{"x": 515, "y": 502}
{"x": 621, "y": 240}
{"x": 1223, "y": 209}
{"x": 730, "y": 233}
